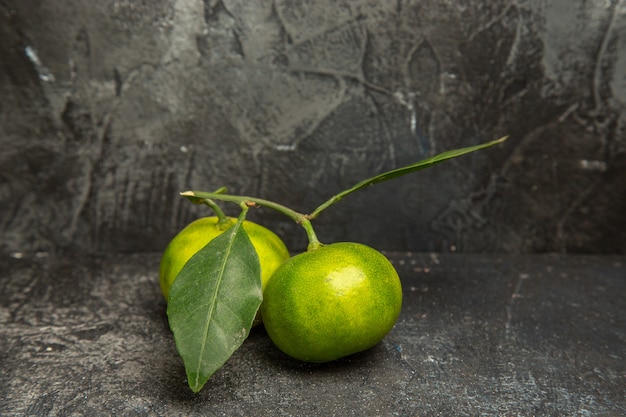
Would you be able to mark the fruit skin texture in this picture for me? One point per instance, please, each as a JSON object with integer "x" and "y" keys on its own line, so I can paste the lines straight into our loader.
{"x": 270, "y": 248}
{"x": 331, "y": 302}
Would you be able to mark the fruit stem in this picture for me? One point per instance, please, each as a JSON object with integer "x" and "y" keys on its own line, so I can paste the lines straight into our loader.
{"x": 222, "y": 220}
{"x": 299, "y": 218}
{"x": 221, "y": 217}
{"x": 314, "y": 242}
{"x": 250, "y": 201}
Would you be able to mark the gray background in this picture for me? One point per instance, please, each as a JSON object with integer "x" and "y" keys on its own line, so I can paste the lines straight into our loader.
{"x": 109, "y": 109}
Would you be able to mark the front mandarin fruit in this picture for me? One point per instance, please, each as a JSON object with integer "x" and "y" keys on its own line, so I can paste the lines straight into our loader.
{"x": 331, "y": 302}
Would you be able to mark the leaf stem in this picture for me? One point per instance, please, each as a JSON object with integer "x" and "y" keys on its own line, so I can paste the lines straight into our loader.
{"x": 244, "y": 212}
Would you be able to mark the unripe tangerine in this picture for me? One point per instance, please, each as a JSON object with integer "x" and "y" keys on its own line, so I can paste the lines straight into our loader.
{"x": 331, "y": 302}
{"x": 270, "y": 248}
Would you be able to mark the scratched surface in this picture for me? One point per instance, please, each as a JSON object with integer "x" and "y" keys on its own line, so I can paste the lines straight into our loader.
{"x": 488, "y": 335}
{"x": 111, "y": 108}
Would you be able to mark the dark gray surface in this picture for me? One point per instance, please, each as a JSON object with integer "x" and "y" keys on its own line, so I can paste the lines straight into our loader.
{"x": 478, "y": 335}
{"x": 120, "y": 105}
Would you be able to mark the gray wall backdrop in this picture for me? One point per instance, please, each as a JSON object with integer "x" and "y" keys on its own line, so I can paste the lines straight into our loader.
{"x": 110, "y": 108}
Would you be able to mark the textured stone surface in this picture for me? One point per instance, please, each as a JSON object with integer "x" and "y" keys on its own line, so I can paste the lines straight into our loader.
{"x": 111, "y": 108}
{"x": 538, "y": 335}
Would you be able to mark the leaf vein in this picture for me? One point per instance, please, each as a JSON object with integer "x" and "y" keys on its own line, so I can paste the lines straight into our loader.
{"x": 213, "y": 301}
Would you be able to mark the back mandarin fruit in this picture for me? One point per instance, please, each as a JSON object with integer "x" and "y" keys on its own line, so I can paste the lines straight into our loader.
{"x": 270, "y": 249}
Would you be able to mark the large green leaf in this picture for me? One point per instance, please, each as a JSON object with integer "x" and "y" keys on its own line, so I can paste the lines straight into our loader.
{"x": 213, "y": 302}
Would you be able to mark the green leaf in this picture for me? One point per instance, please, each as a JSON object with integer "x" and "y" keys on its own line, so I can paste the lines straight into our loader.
{"x": 213, "y": 302}
{"x": 385, "y": 176}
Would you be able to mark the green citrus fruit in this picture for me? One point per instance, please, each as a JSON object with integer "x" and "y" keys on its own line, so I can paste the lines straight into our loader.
{"x": 331, "y": 302}
{"x": 270, "y": 248}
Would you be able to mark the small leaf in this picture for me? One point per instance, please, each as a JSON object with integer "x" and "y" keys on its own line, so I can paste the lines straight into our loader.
{"x": 398, "y": 172}
{"x": 213, "y": 302}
